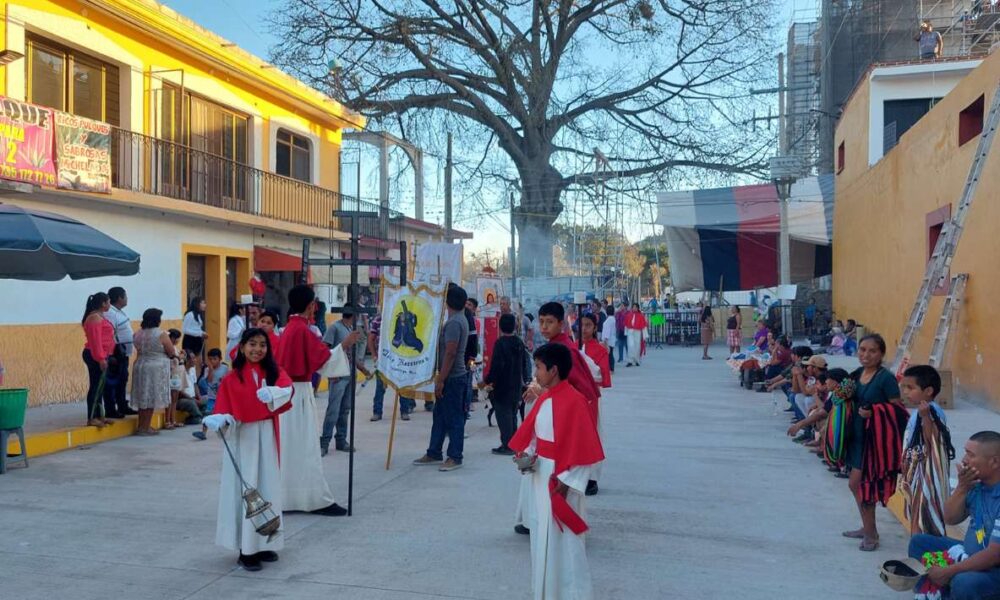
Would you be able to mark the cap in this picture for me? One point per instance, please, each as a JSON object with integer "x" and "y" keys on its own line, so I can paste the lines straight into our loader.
{"x": 815, "y": 361}
{"x": 902, "y": 575}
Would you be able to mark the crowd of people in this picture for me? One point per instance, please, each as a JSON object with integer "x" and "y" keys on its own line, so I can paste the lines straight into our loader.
{"x": 882, "y": 435}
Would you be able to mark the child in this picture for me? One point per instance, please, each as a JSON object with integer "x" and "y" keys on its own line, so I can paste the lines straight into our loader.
{"x": 927, "y": 452}
{"x": 177, "y": 376}
{"x": 506, "y": 376}
{"x": 189, "y": 398}
{"x": 208, "y": 384}
{"x": 247, "y": 407}
{"x": 561, "y": 434}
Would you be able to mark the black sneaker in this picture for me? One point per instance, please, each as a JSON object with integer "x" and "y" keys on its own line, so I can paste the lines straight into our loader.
{"x": 334, "y": 510}
{"x": 503, "y": 451}
{"x": 324, "y": 450}
{"x": 199, "y": 435}
{"x": 250, "y": 562}
{"x": 345, "y": 447}
{"x": 522, "y": 530}
{"x": 375, "y": 418}
{"x": 267, "y": 556}
{"x": 405, "y": 416}
{"x": 591, "y": 488}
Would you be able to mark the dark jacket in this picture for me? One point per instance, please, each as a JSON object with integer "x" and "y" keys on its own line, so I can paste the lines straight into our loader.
{"x": 506, "y": 372}
{"x": 472, "y": 346}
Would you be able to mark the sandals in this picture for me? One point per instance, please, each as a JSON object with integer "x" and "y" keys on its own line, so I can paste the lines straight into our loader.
{"x": 96, "y": 423}
{"x": 146, "y": 432}
{"x": 868, "y": 545}
{"x": 857, "y": 534}
{"x": 169, "y": 426}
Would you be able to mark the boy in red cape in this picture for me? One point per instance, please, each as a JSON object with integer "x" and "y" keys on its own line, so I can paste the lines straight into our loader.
{"x": 249, "y": 400}
{"x": 562, "y": 436}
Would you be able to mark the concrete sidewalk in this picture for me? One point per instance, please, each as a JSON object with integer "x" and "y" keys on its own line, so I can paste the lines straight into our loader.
{"x": 703, "y": 496}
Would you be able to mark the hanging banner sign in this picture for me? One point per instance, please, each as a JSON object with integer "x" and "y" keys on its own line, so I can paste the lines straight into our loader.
{"x": 83, "y": 148}
{"x": 488, "y": 292}
{"x": 437, "y": 258}
{"x": 412, "y": 317}
{"x": 26, "y": 140}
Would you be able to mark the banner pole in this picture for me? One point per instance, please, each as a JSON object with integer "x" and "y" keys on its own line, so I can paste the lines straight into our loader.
{"x": 392, "y": 431}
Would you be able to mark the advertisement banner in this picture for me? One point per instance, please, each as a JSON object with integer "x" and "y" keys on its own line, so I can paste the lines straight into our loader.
{"x": 26, "y": 140}
{"x": 83, "y": 147}
{"x": 412, "y": 317}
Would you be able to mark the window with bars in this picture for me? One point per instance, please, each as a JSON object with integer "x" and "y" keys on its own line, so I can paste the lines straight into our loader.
{"x": 71, "y": 81}
{"x": 293, "y": 156}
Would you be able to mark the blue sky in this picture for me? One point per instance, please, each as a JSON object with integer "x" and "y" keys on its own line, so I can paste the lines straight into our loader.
{"x": 245, "y": 23}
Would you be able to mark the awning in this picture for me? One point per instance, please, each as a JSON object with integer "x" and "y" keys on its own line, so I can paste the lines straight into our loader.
{"x": 266, "y": 259}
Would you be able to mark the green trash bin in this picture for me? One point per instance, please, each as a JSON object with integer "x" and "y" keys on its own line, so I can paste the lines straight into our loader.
{"x": 13, "y": 403}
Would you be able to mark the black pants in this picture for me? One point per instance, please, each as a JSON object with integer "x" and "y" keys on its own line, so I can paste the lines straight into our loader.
{"x": 116, "y": 401}
{"x": 505, "y": 406}
{"x": 94, "y": 374}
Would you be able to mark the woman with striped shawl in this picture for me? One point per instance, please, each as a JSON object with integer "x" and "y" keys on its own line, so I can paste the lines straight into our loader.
{"x": 927, "y": 452}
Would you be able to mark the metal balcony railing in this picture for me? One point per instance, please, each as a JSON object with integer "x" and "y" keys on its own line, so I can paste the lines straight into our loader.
{"x": 145, "y": 164}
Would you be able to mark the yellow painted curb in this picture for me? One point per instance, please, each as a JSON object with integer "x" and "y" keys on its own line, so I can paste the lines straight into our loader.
{"x": 50, "y": 442}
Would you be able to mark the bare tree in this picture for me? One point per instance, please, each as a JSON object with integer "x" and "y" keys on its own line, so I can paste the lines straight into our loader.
{"x": 657, "y": 85}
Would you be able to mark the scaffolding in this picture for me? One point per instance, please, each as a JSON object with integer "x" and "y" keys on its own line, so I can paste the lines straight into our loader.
{"x": 802, "y": 110}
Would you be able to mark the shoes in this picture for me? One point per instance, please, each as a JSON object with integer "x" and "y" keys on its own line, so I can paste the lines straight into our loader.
{"x": 334, "y": 510}
{"x": 522, "y": 530}
{"x": 249, "y": 562}
{"x": 591, "y": 488}
{"x": 405, "y": 416}
{"x": 114, "y": 415}
{"x": 450, "y": 465}
{"x": 128, "y": 412}
{"x": 267, "y": 556}
{"x": 428, "y": 406}
{"x": 857, "y": 534}
{"x": 345, "y": 447}
{"x": 427, "y": 460}
{"x": 789, "y": 409}
{"x": 199, "y": 435}
{"x": 375, "y": 418}
{"x": 324, "y": 450}
{"x": 628, "y": 365}
{"x": 503, "y": 451}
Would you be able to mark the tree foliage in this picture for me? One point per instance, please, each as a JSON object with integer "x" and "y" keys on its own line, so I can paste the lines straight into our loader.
{"x": 659, "y": 87}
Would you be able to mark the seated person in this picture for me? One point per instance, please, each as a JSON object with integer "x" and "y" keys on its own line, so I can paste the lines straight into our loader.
{"x": 212, "y": 374}
{"x": 827, "y": 382}
{"x": 804, "y": 384}
{"x": 799, "y": 354}
{"x": 189, "y": 398}
{"x": 781, "y": 358}
{"x": 977, "y": 497}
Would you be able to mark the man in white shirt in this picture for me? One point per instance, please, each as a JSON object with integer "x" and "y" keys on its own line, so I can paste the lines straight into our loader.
{"x": 609, "y": 334}
{"x": 123, "y": 350}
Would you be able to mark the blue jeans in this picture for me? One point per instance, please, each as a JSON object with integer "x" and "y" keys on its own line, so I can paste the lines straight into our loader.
{"x": 467, "y": 401}
{"x": 449, "y": 420}
{"x": 622, "y": 344}
{"x": 337, "y": 409}
{"x": 974, "y": 585}
{"x": 406, "y": 405}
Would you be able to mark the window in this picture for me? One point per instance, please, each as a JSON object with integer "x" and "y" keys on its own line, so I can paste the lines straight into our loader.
{"x": 970, "y": 121}
{"x": 840, "y": 157}
{"x": 293, "y": 156}
{"x": 900, "y": 115}
{"x": 71, "y": 81}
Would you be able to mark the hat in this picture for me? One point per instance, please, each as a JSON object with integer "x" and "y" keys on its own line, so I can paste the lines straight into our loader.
{"x": 815, "y": 361}
{"x": 902, "y": 575}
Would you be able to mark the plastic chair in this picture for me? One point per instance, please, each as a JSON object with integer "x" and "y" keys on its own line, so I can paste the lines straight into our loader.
{"x": 13, "y": 403}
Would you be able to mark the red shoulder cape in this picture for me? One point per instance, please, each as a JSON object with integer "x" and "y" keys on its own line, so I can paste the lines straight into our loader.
{"x": 576, "y": 443}
{"x": 599, "y": 354}
{"x": 579, "y": 376}
{"x": 301, "y": 353}
{"x": 238, "y": 397}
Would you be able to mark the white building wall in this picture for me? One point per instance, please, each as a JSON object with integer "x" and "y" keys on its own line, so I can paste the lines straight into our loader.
{"x": 155, "y": 235}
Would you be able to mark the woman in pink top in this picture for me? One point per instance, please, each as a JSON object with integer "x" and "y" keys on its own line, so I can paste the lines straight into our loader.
{"x": 99, "y": 347}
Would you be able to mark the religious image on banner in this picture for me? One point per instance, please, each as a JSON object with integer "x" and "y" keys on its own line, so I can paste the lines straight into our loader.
{"x": 83, "y": 151}
{"x": 26, "y": 141}
{"x": 412, "y": 317}
{"x": 488, "y": 291}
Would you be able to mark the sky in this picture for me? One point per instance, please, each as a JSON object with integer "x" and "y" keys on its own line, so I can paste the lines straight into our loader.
{"x": 245, "y": 23}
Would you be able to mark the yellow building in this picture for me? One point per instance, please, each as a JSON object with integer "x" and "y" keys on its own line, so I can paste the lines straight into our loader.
{"x": 895, "y": 190}
{"x": 221, "y": 166}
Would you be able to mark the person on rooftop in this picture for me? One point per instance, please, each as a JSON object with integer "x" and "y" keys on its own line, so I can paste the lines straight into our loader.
{"x": 929, "y": 41}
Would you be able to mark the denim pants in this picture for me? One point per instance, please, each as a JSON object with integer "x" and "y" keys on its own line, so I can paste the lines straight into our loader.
{"x": 622, "y": 343}
{"x": 467, "y": 400}
{"x": 974, "y": 585}
{"x": 406, "y": 405}
{"x": 338, "y": 406}
{"x": 449, "y": 420}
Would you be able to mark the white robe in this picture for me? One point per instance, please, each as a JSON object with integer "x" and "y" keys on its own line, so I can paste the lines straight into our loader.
{"x": 254, "y": 447}
{"x": 559, "y": 567}
{"x": 525, "y": 513}
{"x": 634, "y": 337}
{"x": 305, "y": 486}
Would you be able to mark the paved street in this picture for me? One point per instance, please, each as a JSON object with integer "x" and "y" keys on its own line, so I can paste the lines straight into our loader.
{"x": 703, "y": 497}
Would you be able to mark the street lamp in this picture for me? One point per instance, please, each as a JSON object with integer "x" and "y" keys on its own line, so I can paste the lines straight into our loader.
{"x": 784, "y": 171}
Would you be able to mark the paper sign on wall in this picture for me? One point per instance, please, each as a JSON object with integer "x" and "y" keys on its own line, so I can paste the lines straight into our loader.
{"x": 84, "y": 150}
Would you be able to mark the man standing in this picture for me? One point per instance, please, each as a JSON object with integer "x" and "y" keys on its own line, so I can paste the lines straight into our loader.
{"x": 302, "y": 354}
{"x": 338, "y": 405}
{"x": 809, "y": 316}
{"x": 505, "y": 306}
{"x": 450, "y": 386}
{"x": 620, "y": 340}
{"x": 929, "y": 41}
{"x": 564, "y": 437}
{"x": 977, "y": 497}
{"x": 506, "y": 376}
{"x": 123, "y": 350}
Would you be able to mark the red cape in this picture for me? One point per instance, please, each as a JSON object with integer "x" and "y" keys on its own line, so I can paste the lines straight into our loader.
{"x": 599, "y": 354}
{"x": 238, "y": 397}
{"x": 635, "y": 320}
{"x": 302, "y": 353}
{"x": 579, "y": 375}
{"x": 576, "y": 443}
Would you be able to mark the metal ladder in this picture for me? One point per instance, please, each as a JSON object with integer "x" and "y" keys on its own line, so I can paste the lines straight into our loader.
{"x": 944, "y": 250}
{"x": 952, "y": 304}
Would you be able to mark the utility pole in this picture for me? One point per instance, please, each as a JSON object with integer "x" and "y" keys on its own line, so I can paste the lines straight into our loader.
{"x": 513, "y": 252}
{"x": 784, "y": 250}
{"x": 448, "y": 166}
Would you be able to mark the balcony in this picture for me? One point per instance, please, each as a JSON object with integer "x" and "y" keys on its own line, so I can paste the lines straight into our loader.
{"x": 148, "y": 165}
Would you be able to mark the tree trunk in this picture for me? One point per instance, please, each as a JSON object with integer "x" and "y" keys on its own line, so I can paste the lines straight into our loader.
{"x": 540, "y": 207}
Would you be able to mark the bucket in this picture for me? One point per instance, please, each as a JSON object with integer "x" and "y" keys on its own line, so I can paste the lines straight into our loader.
{"x": 13, "y": 403}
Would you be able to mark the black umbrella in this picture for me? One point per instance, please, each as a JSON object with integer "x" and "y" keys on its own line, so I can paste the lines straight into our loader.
{"x": 42, "y": 246}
